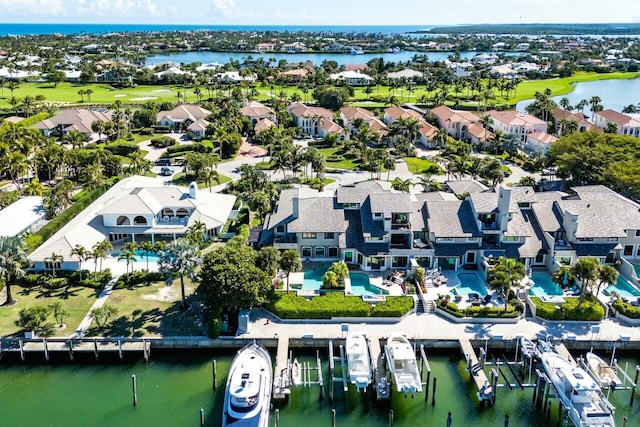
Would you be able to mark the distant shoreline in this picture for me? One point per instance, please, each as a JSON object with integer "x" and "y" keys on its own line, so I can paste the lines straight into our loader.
{"x": 609, "y": 29}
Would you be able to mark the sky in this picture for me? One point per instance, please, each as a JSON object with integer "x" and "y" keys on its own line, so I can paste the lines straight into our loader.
{"x": 321, "y": 12}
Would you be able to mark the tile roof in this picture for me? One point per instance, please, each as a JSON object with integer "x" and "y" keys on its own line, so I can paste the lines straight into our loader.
{"x": 256, "y": 109}
{"x": 300, "y": 110}
{"x": 263, "y": 124}
{"x": 358, "y": 192}
{"x": 444, "y": 113}
{"x": 480, "y": 133}
{"x": 618, "y": 118}
{"x": 81, "y": 119}
{"x": 543, "y": 137}
{"x": 515, "y": 118}
{"x": 184, "y": 112}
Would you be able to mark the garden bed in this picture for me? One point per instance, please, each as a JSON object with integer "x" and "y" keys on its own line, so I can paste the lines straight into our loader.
{"x": 590, "y": 310}
{"x": 514, "y": 310}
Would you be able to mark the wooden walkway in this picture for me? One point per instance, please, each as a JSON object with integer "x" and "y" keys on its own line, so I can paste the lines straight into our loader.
{"x": 562, "y": 351}
{"x": 97, "y": 346}
{"x": 281, "y": 377}
{"x": 477, "y": 373}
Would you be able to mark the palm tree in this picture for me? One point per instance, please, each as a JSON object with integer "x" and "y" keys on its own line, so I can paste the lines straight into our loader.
{"x": 441, "y": 137}
{"x": 180, "y": 257}
{"x": 196, "y": 233}
{"x": 606, "y": 274}
{"x": 53, "y": 260}
{"x": 129, "y": 256}
{"x": 290, "y": 262}
{"x": 148, "y": 247}
{"x": 81, "y": 253}
{"x": 209, "y": 176}
{"x": 400, "y": 184}
{"x": 595, "y": 103}
{"x": 34, "y": 188}
{"x": 507, "y": 273}
{"x": 100, "y": 251}
{"x": 586, "y": 271}
{"x": 389, "y": 163}
{"x": 13, "y": 258}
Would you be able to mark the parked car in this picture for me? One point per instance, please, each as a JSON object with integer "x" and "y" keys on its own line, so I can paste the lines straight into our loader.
{"x": 166, "y": 171}
{"x": 165, "y": 161}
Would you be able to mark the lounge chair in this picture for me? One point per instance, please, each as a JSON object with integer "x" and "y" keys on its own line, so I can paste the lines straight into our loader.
{"x": 486, "y": 299}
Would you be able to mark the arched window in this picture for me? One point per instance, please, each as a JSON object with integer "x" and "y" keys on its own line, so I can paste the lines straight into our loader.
{"x": 123, "y": 220}
{"x": 182, "y": 212}
{"x": 140, "y": 220}
{"x": 167, "y": 212}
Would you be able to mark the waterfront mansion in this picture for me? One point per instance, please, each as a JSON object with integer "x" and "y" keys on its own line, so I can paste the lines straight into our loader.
{"x": 377, "y": 228}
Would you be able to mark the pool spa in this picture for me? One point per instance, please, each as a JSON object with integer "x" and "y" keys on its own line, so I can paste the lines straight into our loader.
{"x": 470, "y": 283}
{"x": 544, "y": 286}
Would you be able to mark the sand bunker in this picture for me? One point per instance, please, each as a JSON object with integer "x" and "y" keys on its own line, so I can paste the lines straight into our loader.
{"x": 160, "y": 90}
{"x": 144, "y": 98}
{"x": 120, "y": 96}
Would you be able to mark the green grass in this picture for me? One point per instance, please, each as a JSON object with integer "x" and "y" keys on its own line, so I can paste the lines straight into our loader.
{"x": 419, "y": 166}
{"x": 179, "y": 179}
{"x": 344, "y": 163}
{"x": 77, "y": 301}
{"x": 153, "y": 311}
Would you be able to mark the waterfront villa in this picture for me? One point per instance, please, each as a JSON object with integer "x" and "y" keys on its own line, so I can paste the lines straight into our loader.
{"x": 407, "y": 74}
{"x": 457, "y": 122}
{"x": 350, "y": 114}
{"x": 75, "y": 119}
{"x": 136, "y": 209}
{"x": 558, "y": 114}
{"x": 539, "y": 142}
{"x": 625, "y": 124}
{"x": 352, "y": 78}
{"x": 512, "y": 122}
{"x": 427, "y": 132}
{"x": 256, "y": 111}
{"x": 183, "y": 115}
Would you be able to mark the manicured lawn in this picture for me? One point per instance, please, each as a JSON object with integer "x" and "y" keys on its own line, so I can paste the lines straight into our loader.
{"x": 153, "y": 311}
{"x": 77, "y": 302}
{"x": 418, "y": 166}
{"x": 343, "y": 163}
{"x": 178, "y": 179}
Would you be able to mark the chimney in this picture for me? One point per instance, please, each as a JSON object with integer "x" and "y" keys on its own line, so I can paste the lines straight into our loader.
{"x": 296, "y": 205}
{"x": 504, "y": 200}
{"x": 193, "y": 190}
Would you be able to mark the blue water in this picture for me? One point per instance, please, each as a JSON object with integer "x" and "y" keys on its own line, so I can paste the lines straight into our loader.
{"x": 615, "y": 94}
{"x": 470, "y": 283}
{"x": 22, "y": 29}
{"x": 623, "y": 288}
{"x": 141, "y": 256}
{"x": 360, "y": 285}
{"x": 544, "y": 286}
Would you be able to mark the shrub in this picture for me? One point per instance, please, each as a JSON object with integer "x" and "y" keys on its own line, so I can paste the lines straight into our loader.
{"x": 55, "y": 283}
{"x": 161, "y": 129}
{"x": 590, "y": 310}
{"x": 214, "y": 325}
{"x": 515, "y": 309}
{"x": 334, "y": 304}
{"x": 137, "y": 277}
{"x": 122, "y": 148}
{"x": 146, "y": 131}
{"x": 393, "y": 307}
{"x": 626, "y": 309}
{"x": 183, "y": 148}
{"x": 165, "y": 141}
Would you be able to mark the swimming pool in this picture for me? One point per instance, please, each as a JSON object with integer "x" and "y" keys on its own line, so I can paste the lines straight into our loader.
{"x": 544, "y": 286}
{"x": 623, "y": 288}
{"x": 470, "y": 283}
{"x": 141, "y": 256}
{"x": 360, "y": 284}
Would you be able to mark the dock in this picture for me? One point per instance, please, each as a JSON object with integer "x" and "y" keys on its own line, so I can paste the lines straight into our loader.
{"x": 379, "y": 369}
{"x": 95, "y": 346}
{"x": 282, "y": 375}
{"x": 476, "y": 370}
{"x": 562, "y": 351}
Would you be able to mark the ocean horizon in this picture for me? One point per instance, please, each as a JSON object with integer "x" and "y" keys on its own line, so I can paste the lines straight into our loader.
{"x": 21, "y": 29}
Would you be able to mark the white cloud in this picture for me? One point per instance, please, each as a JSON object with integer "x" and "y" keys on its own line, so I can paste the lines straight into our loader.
{"x": 229, "y": 10}
{"x": 82, "y": 9}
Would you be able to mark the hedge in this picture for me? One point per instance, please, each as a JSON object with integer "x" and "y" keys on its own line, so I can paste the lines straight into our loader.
{"x": 84, "y": 278}
{"x": 63, "y": 218}
{"x": 138, "y": 277}
{"x": 590, "y": 310}
{"x": 393, "y": 307}
{"x": 514, "y": 309}
{"x": 627, "y": 309}
{"x": 336, "y": 304}
{"x": 182, "y": 148}
{"x": 163, "y": 141}
{"x": 122, "y": 148}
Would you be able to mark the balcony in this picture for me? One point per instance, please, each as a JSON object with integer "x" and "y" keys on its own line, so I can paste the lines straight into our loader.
{"x": 286, "y": 238}
{"x": 406, "y": 225}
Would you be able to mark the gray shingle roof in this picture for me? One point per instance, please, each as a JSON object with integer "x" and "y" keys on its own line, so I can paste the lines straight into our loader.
{"x": 518, "y": 226}
{"x": 452, "y": 219}
{"x": 548, "y": 216}
{"x": 485, "y": 202}
{"x": 320, "y": 214}
{"x": 598, "y": 218}
{"x": 391, "y": 202}
{"x": 466, "y": 186}
{"x": 358, "y": 193}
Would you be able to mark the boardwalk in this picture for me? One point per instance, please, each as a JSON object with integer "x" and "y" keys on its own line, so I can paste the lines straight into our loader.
{"x": 477, "y": 373}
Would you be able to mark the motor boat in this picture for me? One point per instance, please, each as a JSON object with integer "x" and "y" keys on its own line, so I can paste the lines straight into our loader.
{"x": 579, "y": 392}
{"x": 358, "y": 360}
{"x": 296, "y": 373}
{"x": 357, "y": 50}
{"x": 604, "y": 373}
{"x": 528, "y": 348}
{"x": 248, "y": 392}
{"x": 401, "y": 361}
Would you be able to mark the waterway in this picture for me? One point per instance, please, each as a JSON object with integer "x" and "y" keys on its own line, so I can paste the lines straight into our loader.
{"x": 615, "y": 94}
{"x": 316, "y": 58}
{"x": 174, "y": 386}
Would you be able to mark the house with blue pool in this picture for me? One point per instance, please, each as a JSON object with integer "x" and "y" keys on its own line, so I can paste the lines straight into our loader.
{"x": 136, "y": 209}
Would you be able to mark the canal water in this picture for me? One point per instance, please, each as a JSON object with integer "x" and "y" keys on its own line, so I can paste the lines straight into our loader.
{"x": 174, "y": 386}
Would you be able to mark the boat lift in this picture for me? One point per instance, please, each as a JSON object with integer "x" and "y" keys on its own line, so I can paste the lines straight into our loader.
{"x": 341, "y": 359}
{"x": 627, "y": 382}
{"x": 283, "y": 374}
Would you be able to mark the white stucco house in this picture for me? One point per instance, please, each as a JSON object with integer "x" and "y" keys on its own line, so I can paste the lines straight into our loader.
{"x": 185, "y": 115}
{"x": 136, "y": 209}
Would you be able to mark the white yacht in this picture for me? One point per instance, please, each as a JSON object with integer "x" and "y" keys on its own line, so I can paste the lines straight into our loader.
{"x": 603, "y": 372}
{"x": 356, "y": 50}
{"x": 401, "y": 361}
{"x": 358, "y": 360}
{"x": 579, "y": 393}
{"x": 296, "y": 373}
{"x": 528, "y": 348}
{"x": 248, "y": 394}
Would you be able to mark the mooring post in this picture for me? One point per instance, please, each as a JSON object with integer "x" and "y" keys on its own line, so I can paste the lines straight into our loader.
{"x": 120, "y": 348}
{"x": 535, "y": 391}
{"x": 46, "y": 349}
{"x": 390, "y": 417}
{"x": 624, "y": 421}
{"x": 469, "y": 367}
{"x": 134, "y": 389}
{"x": 506, "y": 420}
{"x": 494, "y": 389}
{"x": 635, "y": 384}
{"x": 433, "y": 392}
{"x": 426, "y": 389}
{"x": 70, "y": 342}
{"x": 21, "y": 350}
{"x": 201, "y": 417}
{"x": 214, "y": 369}
{"x": 559, "y": 413}
{"x": 333, "y": 418}
{"x": 277, "y": 417}
{"x": 449, "y": 419}
{"x": 95, "y": 347}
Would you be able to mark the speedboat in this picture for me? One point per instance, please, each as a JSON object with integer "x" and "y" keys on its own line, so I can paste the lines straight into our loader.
{"x": 248, "y": 393}
{"x": 603, "y": 372}
{"x": 528, "y": 348}
{"x": 401, "y": 361}
{"x": 358, "y": 360}
{"x": 579, "y": 392}
{"x": 356, "y": 50}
